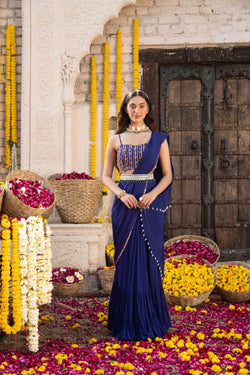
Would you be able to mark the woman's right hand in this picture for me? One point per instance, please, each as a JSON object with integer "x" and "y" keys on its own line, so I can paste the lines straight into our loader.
{"x": 129, "y": 200}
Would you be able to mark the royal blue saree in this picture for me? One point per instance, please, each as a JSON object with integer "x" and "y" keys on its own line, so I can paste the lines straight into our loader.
{"x": 137, "y": 307}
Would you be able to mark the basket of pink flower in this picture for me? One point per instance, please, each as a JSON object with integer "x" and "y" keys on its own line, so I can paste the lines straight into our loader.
{"x": 67, "y": 281}
{"x": 188, "y": 280}
{"x": 27, "y": 194}
{"x": 201, "y": 247}
{"x": 78, "y": 196}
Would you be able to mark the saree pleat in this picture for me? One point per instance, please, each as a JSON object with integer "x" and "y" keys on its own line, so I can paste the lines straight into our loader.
{"x": 137, "y": 308}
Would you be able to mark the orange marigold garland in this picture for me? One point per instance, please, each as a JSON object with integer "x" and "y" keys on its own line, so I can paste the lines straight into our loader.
{"x": 136, "y": 52}
{"x": 93, "y": 118}
{"x": 10, "y": 96}
{"x": 118, "y": 79}
{"x": 105, "y": 102}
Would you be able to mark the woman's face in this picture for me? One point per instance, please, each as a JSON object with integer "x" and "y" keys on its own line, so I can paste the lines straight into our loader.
{"x": 137, "y": 109}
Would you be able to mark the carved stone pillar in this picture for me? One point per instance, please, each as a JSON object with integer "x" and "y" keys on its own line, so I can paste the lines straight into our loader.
{"x": 69, "y": 71}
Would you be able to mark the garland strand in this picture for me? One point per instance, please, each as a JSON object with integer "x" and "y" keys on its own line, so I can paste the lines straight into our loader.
{"x": 6, "y": 276}
{"x": 93, "y": 118}
{"x": 32, "y": 291}
{"x": 10, "y": 94}
{"x": 136, "y": 52}
{"x": 23, "y": 244}
{"x": 28, "y": 271}
{"x": 118, "y": 79}
{"x": 105, "y": 102}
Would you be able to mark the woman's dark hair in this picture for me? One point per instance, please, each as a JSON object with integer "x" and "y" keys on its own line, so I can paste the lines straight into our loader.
{"x": 123, "y": 117}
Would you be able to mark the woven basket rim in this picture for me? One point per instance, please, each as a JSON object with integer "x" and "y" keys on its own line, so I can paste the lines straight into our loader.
{"x": 188, "y": 300}
{"x": 204, "y": 240}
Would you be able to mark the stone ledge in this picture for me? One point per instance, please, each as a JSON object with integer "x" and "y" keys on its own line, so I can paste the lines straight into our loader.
{"x": 81, "y": 246}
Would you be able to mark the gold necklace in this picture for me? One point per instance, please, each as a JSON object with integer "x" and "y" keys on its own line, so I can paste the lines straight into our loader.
{"x": 137, "y": 129}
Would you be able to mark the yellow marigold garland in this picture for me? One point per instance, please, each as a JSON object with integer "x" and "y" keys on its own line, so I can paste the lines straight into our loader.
{"x": 136, "y": 52}
{"x": 16, "y": 293}
{"x": 118, "y": 79}
{"x": 105, "y": 102}
{"x": 93, "y": 118}
{"x": 10, "y": 97}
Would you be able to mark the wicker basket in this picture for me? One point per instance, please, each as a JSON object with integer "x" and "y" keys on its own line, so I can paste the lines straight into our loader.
{"x": 1, "y": 196}
{"x": 67, "y": 290}
{"x": 110, "y": 260}
{"x": 106, "y": 276}
{"x": 12, "y": 206}
{"x": 204, "y": 240}
{"x": 234, "y": 297}
{"x": 77, "y": 201}
{"x": 186, "y": 300}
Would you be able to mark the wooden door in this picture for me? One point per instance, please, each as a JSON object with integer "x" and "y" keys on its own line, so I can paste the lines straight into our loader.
{"x": 205, "y": 110}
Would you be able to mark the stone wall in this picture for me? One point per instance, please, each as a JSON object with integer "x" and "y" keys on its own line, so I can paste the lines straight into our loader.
{"x": 164, "y": 24}
{"x": 10, "y": 13}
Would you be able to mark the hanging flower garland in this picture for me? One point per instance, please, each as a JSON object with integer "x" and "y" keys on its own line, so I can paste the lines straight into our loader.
{"x": 30, "y": 271}
{"x": 32, "y": 291}
{"x": 105, "y": 102}
{"x": 136, "y": 52}
{"x": 23, "y": 243}
{"x": 10, "y": 96}
{"x": 118, "y": 79}
{"x": 16, "y": 293}
{"x": 93, "y": 118}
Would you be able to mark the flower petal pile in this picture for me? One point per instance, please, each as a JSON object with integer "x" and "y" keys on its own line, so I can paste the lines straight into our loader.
{"x": 187, "y": 277}
{"x": 32, "y": 193}
{"x": 67, "y": 275}
{"x": 208, "y": 340}
{"x": 110, "y": 249}
{"x": 235, "y": 278}
{"x": 191, "y": 248}
{"x": 74, "y": 176}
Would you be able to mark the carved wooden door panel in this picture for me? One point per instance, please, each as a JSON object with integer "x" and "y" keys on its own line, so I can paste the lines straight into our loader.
{"x": 205, "y": 110}
{"x": 231, "y": 156}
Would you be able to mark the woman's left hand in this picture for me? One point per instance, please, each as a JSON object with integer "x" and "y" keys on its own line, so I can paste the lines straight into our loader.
{"x": 146, "y": 199}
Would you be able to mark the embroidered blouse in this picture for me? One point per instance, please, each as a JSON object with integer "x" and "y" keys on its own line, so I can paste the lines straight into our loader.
{"x": 128, "y": 156}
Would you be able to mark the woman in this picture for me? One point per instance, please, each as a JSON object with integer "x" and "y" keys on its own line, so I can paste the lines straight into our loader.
{"x": 137, "y": 308}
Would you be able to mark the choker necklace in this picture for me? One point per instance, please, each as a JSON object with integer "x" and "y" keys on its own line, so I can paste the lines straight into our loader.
{"x": 137, "y": 129}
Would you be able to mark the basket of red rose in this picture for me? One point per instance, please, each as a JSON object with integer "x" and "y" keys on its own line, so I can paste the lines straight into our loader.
{"x": 27, "y": 194}
{"x": 78, "y": 196}
{"x": 202, "y": 247}
{"x": 67, "y": 281}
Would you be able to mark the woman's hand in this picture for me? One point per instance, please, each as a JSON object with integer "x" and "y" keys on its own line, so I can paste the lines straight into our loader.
{"x": 146, "y": 199}
{"x": 129, "y": 200}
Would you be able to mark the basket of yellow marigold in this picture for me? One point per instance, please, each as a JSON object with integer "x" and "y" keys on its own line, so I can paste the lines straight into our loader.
{"x": 233, "y": 281}
{"x": 106, "y": 276}
{"x": 110, "y": 253}
{"x": 188, "y": 280}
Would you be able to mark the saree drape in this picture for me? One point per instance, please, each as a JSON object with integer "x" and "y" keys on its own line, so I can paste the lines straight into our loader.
{"x": 137, "y": 307}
